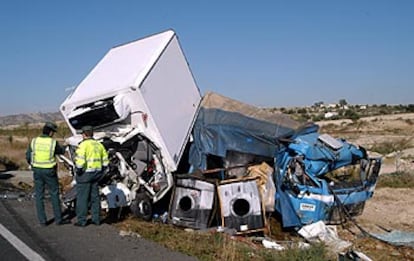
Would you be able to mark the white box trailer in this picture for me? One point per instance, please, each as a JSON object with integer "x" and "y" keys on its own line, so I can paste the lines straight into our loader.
{"x": 142, "y": 100}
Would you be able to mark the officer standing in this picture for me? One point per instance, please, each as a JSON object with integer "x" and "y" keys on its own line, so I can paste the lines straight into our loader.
{"x": 91, "y": 160}
{"x": 40, "y": 155}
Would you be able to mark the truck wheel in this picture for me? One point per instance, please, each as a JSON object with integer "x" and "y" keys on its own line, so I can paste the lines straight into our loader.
{"x": 141, "y": 207}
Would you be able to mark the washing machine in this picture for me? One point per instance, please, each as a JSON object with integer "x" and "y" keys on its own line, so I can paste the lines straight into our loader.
{"x": 241, "y": 205}
{"x": 192, "y": 203}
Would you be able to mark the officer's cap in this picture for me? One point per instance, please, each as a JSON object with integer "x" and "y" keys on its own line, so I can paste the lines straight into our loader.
{"x": 87, "y": 128}
{"x": 51, "y": 125}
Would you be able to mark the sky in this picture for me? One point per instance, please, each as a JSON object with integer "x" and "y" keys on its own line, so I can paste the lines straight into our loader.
{"x": 265, "y": 53}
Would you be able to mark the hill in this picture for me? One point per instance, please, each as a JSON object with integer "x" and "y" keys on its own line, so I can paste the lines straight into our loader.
{"x": 21, "y": 119}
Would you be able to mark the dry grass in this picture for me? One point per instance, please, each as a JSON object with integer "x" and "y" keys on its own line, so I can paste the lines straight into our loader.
{"x": 396, "y": 180}
{"x": 13, "y": 153}
{"x": 209, "y": 245}
{"x": 378, "y": 125}
{"x": 389, "y": 146}
{"x": 390, "y": 136}
{"x": 14, "y": 142}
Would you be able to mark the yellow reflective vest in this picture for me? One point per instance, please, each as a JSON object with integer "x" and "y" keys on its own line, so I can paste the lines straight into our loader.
{"x": 43, "y": 152}
{"x": 91, "y": 155}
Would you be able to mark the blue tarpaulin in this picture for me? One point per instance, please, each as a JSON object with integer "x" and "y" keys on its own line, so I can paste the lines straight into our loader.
{"x": 397, "y": 238}
{"x": 224, "y": 124}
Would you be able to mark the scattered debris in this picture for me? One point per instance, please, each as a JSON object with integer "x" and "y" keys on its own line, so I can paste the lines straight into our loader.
{"x": 396, "y": 237}
{"x": 271, "y": 244}
{"x": 353, "y": 255}
{"x": 226, "y": 230}
{"x": 319, "y": 232}
{"x": 25, "y": 186}
{"x": 13, "y": 195}
{"x": 124, "y": 233}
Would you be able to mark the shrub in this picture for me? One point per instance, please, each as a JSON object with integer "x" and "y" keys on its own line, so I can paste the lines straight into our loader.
{"x": 8, "y": 164}
{"x": 351, "y": 114}
{"x": 396, "y": 180}
{"x": 387, "y": 147}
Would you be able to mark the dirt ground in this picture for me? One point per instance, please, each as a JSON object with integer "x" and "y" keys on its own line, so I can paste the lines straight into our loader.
{"x": 390, "y": 208}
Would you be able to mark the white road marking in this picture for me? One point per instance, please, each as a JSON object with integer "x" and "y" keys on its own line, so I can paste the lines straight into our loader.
{"x": 19, "y": 245}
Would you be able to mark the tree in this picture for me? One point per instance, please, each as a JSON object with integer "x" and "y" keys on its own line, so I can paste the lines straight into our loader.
{"x": 302, "y": 111}
{"x": 318, "y": 104}
{"x": 342, "y": 102}
{"x": 350, "y": 114}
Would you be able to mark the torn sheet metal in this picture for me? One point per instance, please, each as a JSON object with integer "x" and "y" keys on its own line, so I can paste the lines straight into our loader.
{"x": 319, "y": 177}
{"x": 116, "y": 195}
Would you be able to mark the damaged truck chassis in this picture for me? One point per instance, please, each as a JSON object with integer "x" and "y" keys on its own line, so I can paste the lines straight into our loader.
{"x": 141, "y": 100}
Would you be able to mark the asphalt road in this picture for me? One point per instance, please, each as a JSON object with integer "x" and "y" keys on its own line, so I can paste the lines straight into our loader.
{"x": 21, "y": 238}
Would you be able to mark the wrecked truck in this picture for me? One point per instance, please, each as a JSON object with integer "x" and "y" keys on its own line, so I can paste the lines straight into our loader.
{"x": 319, "y": 177}
{"x": 147, "y": 110}
{"x": 141, "y": 100}
{"x": 316, "y": 176}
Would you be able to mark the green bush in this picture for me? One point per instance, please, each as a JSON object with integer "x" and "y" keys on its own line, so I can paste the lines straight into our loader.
{"x": 387, "y": 147}
{"x": 396, "y": 180}
{"x": 351, "y": 114}
{"x": 8, "y": 164}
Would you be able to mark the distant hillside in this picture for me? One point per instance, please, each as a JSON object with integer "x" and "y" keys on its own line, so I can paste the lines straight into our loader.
{"x": 30, "y": 118}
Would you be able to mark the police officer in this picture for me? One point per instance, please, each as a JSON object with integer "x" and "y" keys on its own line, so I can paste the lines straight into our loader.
{"x": 91, "y": 160}
{"x": 40, "y": 155}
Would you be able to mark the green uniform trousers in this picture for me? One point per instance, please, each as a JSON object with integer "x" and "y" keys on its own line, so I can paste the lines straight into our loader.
{"x": 87, "y": 190}
{"x": 47, "y": 178}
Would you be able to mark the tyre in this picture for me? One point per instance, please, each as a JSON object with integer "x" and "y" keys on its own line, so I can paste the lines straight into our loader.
{"x": 141, "y": 207}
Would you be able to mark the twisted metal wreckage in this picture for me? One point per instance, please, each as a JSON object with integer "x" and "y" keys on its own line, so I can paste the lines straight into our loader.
{"x": 219, "y": 157}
